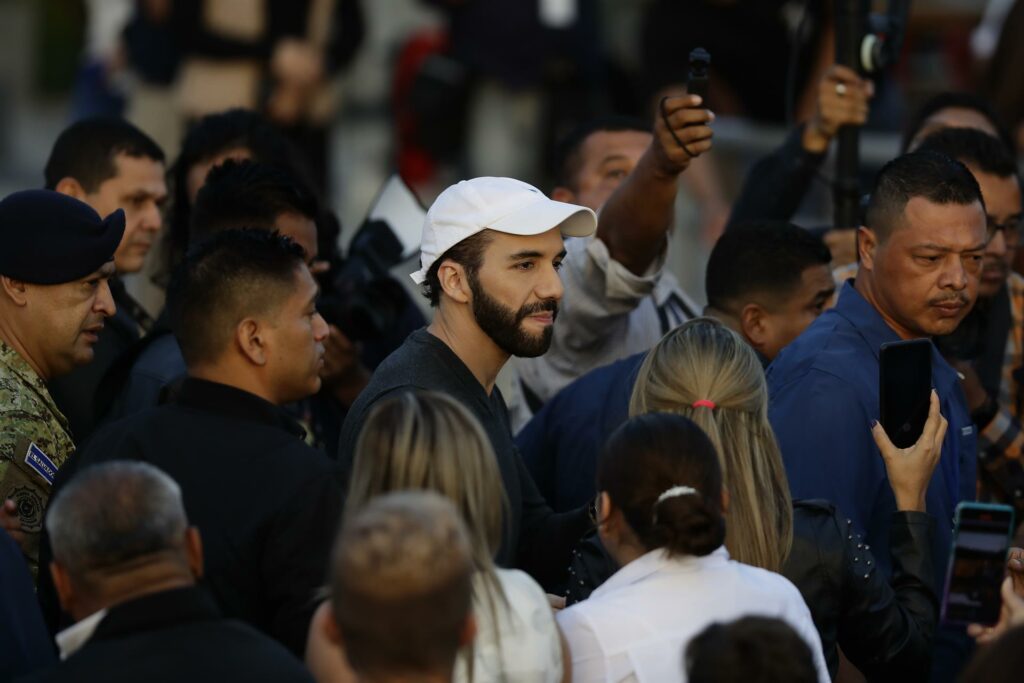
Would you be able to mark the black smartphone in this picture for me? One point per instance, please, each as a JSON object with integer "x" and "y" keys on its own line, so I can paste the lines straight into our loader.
{"x": 697, "y": 78}
{"x": 977, "y": 565}
{"x": 905, "y": 387}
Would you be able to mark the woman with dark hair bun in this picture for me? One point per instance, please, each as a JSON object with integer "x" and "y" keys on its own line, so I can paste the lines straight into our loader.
{"x": 661, "y": 517}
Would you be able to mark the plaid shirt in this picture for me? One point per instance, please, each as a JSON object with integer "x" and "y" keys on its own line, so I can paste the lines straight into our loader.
{"x": 1004, "y": 434}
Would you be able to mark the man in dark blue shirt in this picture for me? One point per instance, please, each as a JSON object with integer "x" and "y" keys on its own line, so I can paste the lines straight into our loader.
{"x": 766, "y": 281}
{"x": 921, "y": 255}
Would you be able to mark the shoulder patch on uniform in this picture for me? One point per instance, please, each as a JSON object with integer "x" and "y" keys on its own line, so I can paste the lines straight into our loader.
{"x": 37, "y": 460}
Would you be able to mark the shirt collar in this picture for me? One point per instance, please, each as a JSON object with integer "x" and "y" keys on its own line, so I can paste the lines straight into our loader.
{"x": 71, "y": 639}
{"x": 656, "y": 561}
{"x": 222, "y": 399}
{"x": 20, "y": 367}
{"x": 864, "y": 318}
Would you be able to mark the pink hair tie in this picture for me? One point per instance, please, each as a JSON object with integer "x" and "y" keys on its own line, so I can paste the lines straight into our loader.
{"x": 704, "y": 403}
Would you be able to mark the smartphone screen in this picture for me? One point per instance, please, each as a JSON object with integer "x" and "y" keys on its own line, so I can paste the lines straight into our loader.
{"x": 978, "y": 563}
{"x": 905, "y": 387}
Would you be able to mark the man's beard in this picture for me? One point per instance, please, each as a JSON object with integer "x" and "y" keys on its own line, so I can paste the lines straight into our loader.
{"x": 504, "y": 326}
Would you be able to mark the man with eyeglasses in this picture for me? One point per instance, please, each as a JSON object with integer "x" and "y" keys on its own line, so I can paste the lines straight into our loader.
{"x": 988, "y": 347}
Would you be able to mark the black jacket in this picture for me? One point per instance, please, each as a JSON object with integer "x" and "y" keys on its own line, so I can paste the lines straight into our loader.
{"x": 535, "y": 538}
{"x": 175, "y": 635}
{"x": 885, "y": 629}
{"x": 266, "y": 504}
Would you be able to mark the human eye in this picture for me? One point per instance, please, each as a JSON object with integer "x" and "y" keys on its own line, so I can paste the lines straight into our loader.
{"x": 524, "y": 265}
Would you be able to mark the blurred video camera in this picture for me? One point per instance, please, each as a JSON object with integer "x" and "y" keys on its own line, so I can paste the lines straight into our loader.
{"x": 359, "y": 295}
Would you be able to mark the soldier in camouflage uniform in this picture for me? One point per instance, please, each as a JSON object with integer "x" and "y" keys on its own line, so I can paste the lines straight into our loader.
{"x": 55, "y": 259}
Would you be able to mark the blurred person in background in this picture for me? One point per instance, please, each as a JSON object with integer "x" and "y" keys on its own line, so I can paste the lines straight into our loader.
{"x": 661, "y": 513}
{"x": 232, "y": 134}
{"x": 128, "y": 567}
{"x": 394, "y": 621}
{"x": 619, "y": 298}
{"x": 109, "y": 164}
{"x": 525, "y": 68}
{"x": 274, "y": 56}
{"x": 427, "y": 440}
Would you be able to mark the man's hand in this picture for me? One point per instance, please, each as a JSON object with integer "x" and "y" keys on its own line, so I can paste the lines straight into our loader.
{"x": 682, "y": 132}
{"x": 842, "y": 101}
{"x": 1012, "y": 614}
{"x": 11, "y": 523}
{"x": 910, "y": 469}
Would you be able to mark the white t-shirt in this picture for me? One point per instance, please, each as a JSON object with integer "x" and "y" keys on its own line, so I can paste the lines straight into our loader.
{"x": 637, "y": 625}
{"x": 529, "y": 649}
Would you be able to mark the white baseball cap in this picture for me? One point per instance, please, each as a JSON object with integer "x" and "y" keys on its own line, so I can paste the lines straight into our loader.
{"x": 502, "y": 204}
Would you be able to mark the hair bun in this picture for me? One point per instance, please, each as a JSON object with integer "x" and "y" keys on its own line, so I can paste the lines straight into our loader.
{"x": 687, "y": 525}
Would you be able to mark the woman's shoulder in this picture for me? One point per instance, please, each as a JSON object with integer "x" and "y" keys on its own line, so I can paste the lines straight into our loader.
{"x": 521, "y": 589}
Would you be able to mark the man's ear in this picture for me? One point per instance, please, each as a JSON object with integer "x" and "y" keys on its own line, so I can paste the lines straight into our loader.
{"x": 250, "y": 336}
{"x": 330, "y": 627}
{"x": 867, "y": 246}
{"x": 194, "y": 551}
{"x": 725, "y": 499}
{"x": 15, "y": 290}
{"x": 454, "y": 282}
{"x": 754, "y": 325}
{"x": 71, "y": 187}
{"x": 563, "y": 194}
{"x": 62, "y": 583}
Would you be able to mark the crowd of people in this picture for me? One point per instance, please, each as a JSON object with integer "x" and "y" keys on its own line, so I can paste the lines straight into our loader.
{"x": 253, "y": 484}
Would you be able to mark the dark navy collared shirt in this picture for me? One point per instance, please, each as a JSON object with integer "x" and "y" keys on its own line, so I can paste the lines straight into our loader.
{"x": 823, "y": 396}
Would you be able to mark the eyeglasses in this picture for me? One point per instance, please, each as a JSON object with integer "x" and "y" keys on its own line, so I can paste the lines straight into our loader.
{"x": 1010, "y": 230}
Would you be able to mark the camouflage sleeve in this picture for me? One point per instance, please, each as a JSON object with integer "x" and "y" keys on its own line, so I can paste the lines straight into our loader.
{"x": 31, "y": 451}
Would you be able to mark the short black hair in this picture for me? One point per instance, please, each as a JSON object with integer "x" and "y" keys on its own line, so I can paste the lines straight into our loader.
{"x": 469, "y": 253}
{"x": 232, "y": 275}
{"x": 930, "y": 175}
{"x": 248, "y": 194}
{"x": 209, "y": 137}
{"x": 974, "y": 148}
{"x": 567, "y": 159}
{"x": 957, "y": 100}
{"x": 757, "y": 258}
{"x": 763, "y": 649}
{"x": 86, "y": 151}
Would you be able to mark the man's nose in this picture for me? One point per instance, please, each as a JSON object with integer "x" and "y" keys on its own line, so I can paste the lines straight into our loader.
{"x": 320, "y": 328}
{"x": 550, "y": 286}
{"x": 105, "y": 300}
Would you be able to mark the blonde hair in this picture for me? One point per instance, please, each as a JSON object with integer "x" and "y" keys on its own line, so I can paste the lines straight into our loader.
{"x": 702, "y": 360}
{"x": 426, "y": 440}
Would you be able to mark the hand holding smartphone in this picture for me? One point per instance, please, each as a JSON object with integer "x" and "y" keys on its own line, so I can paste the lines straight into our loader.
{"x": 977, "y": 564}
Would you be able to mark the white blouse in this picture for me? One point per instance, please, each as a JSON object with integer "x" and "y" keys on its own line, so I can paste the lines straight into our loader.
{"x": 528, "y": 650}
{"x": 637, "y": 625}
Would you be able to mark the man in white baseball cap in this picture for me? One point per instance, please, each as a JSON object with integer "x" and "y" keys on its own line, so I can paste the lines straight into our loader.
{"x": 491, "y": 251}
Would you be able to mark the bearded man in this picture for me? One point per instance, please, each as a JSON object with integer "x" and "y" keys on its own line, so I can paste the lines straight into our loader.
{"x": 490, "y": 256}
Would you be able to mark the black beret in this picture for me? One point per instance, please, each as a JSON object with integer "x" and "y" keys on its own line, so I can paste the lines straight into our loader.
{"x": 47, "y": 238}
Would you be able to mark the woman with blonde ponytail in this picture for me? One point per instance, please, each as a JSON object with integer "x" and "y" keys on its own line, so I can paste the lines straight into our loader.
{"x": 704, "y": 371}
{"x": 707, "y": 373}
